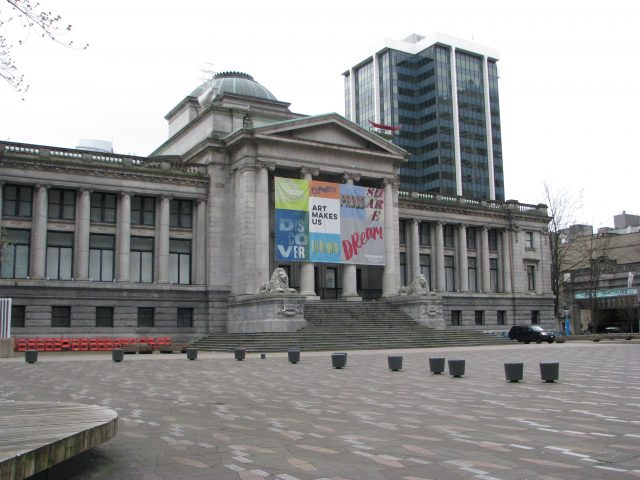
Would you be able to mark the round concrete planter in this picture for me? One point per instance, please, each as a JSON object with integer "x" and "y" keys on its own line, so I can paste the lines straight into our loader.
{"x": 338, "y": 360}
{"x": 294, "y": 355}
{"x": 513, "y": 371}
{"x": 456, "y": 368}
{"x": 436, "y": 365}
{"x": 192, "y": 353}
{"x": 31, "y": 356}
{"x": 117, "y": 354}
{"x": 240, "y": 353}
{"x": 395, "y": 362}
{"x": 550, "y": 371}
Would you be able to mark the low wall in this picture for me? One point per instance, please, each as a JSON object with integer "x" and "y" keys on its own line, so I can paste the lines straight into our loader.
{"x": 424, "y": 309}
{"x": 266, "y": 312}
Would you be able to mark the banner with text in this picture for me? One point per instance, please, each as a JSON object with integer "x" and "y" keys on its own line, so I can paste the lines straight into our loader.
{"x": 325, "y": 222}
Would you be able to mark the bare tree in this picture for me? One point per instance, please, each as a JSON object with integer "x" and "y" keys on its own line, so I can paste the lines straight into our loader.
{"x": 30, "y": 17}
{"x": 561, "y": 206}
{"x": 3, "y": 242}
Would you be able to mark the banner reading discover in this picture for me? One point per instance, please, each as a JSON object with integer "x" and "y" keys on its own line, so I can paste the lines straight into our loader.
{"x": 325, "y": 222}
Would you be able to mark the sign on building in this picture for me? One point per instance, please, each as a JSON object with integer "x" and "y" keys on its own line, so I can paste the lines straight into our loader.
{"x": 608, "y": 293}
{"x": 324, "y": 222}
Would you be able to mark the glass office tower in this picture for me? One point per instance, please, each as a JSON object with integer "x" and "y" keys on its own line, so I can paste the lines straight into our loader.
{"x": 452, "y": 133}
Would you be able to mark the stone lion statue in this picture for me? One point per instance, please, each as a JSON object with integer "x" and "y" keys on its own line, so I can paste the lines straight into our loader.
{"x": 419, "y": 286}
{"x": 279, "y": 282}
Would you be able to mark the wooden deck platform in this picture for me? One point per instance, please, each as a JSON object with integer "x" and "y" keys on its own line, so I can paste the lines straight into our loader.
{"x": 35, "y": 436}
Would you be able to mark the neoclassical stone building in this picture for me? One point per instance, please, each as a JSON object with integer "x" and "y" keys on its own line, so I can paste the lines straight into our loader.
{"x": 182, "y": 241}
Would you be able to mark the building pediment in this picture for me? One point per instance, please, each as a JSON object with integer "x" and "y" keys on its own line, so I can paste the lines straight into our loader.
{"x": 329, "y": 130}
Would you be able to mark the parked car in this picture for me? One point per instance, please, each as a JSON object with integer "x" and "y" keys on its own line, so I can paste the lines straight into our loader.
{"x": 531, "y": 333}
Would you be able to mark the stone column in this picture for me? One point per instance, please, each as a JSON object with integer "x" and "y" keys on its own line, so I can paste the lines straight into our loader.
{"x": 245, "y": 229}
{"x": 261, "y": 264}
{"x": 484, "y": 260}
{"x": 390, "y": 273}
{"x": 462, "y": 259}
{"x": 441, "y": 283}
{"x": 200, "y": 238}
{"x": 415, "y": 249}
{"x": 162, "y": 237}
{"x": 506, "y": 262}
{"x": 123, "y": 236}
{"x": 39, "y": 232}
{"x": 307, "y": 276}
{"x": 83, "y": 223}
{"x": 349, "y": 282}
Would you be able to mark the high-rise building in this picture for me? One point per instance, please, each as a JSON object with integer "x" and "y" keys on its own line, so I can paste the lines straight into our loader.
{"x": 442, "y": 93}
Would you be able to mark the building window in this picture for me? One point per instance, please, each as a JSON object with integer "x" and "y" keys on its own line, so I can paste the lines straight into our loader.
{"x": 448, "y": 236}
{"x": 449, "y": 273}
{"x": 502, "y": 317}
{"x": 493, "y": 240}
{"x": 180, "y": 261}
{"x": 141, "y": 260}
{"x": 528, "y": 240}
{"x": 60, "y": 316}
{"x": 493, "y": 274}
{"x": 17, "y": 316}
{"x": 425, "y": 233}
{"x": 145, "y": 317}
{"x": 471, "y": 238}
{"x": 425, "y": 268}
{"x": 15, "y": 260}
{"x": 185, "y": 317}
{"x": 103, "y": 207}
{"x": 531, "y": 277}
{"x": 402, "y": 232}
{"x": 62, "y": 204}
{"x": 456, "y": 318}
{"x": 181, "y": 213}
{"x": 16, "y": 201}
{"x": 535, "y": 317}
{"x": 143, "y": 211}
{"x": 479, "y": 317}
{"x": 59, "y": 255}
{"x": 104, "y": 316}
{"x": 101, "y": 257}
{"x": 472, "y": 267}
{"x": 403, "y": 269}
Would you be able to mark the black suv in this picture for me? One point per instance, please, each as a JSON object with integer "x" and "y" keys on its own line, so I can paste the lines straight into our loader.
{"x": 531, "y": 333}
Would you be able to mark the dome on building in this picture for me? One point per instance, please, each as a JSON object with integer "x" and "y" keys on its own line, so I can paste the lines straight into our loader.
{"x": 237, "y": 83}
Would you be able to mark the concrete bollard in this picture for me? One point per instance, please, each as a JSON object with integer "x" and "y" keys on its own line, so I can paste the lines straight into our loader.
{"x": 513, "y": 372}
{"x": 293, "y": 355}
{"x": 550, "y": 372}
{"x": 436, "y": 365}
{"x": 338, "y": 360}
{"x": 240, "y": 353}
{"x": 31, "y": 356}
{"x": 192, "y": 353}
{"x": 395, "y": 362}
{"x": 456, "y": 368}
{"x": 117, "y": 354}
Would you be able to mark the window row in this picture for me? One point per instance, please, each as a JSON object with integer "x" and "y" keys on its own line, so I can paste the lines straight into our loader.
{"x": 102, "y": 255}
{"x": 424, "y": 235}
{"x": 17, "y": 201}
{"x": 480, "y": 318}
{"x": 61, "y": 316}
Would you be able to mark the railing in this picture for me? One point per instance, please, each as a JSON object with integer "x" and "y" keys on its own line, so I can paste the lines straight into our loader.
{"x": 329, "y": 293}
{"x": 172, "y": 164}
{"x": 508, "y": 205}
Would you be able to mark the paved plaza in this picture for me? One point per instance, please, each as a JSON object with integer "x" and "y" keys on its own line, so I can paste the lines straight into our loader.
{"x": 218, "y": 418}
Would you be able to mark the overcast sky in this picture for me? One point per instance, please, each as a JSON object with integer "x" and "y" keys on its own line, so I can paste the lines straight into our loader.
{"x": 569, "y": 76}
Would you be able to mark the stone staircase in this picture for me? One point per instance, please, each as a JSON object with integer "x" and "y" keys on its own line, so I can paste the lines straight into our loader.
{"x": 339, "y": 325}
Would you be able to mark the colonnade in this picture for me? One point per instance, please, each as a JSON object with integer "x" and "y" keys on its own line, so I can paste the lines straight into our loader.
{"x": 81, "y": 247}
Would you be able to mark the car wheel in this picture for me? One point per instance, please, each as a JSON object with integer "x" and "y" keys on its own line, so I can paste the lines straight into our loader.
{"x": 538, "y": 342}
{"x": 526, "y": 342}
{"x": 550, "y": 341}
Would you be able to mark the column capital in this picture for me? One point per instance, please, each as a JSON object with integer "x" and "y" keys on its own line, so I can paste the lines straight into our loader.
{"x": 393, "y": 181}
{"x": 271, "y": 166}
{"x": 166, "y": 196}
{"x": 125, "y": 193}
{"x": 350, "y": 176}
{"x": 42, "y": 185}
{"x": 304, "y": 171}
{"x": 415, "y": 221}
{"x": 86, "y": 190}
